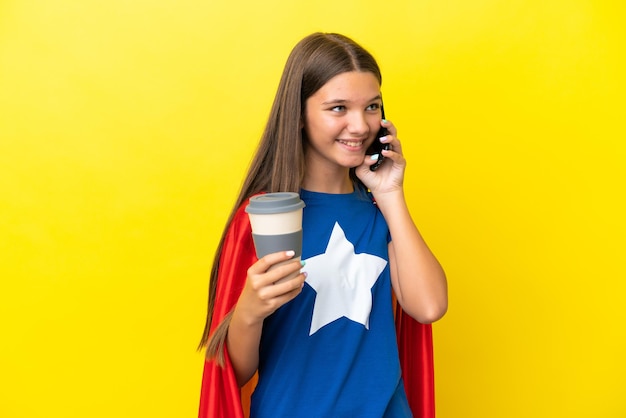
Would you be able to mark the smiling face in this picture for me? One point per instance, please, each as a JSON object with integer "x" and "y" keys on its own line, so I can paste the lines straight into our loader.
{"x": 340, "y": 122}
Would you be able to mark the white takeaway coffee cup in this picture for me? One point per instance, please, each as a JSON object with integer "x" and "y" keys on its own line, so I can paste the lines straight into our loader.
{"x": 276, "y": 220}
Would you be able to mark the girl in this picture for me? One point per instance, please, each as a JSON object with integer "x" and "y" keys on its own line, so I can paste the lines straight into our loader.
{"x": 324, "y": 343}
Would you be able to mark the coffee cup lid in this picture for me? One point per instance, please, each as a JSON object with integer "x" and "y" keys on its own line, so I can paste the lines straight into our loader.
{"x": 270, "y": 203}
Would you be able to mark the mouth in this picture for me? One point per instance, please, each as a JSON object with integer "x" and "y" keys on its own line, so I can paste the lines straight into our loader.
{"x": 351, "y": 144}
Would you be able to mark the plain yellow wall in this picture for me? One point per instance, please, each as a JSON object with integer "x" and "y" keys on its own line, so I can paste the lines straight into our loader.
{"x": 125, "y": 128}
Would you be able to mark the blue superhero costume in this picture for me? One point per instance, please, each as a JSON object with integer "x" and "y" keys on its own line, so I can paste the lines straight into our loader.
{"x": 332, "y": 351}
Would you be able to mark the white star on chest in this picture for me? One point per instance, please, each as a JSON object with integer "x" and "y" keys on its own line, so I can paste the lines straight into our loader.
{"x": 343, "y": 281}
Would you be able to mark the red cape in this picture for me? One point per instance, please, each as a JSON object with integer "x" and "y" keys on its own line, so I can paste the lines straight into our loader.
{"x": 222, "y": 398}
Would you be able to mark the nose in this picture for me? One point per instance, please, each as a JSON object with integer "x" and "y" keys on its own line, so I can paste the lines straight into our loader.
{"x": 357, "y": 124}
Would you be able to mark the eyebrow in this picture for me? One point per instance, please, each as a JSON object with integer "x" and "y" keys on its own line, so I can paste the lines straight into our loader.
{"x": 342, "y": 101}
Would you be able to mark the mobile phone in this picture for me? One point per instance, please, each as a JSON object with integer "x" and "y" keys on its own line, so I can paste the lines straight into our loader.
{"x": 377, "y": 146}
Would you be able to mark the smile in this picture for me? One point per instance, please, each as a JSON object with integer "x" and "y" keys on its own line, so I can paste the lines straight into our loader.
{"x": 352, "y": 144}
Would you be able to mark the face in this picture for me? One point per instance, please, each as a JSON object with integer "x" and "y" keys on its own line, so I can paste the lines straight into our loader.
{"x": 341, "y": 120}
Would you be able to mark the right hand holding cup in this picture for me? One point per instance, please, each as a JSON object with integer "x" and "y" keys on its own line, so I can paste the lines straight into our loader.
{"x": 265, "y": 290}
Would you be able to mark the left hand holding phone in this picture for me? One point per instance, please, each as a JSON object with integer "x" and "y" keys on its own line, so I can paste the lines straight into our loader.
{"x": 387, "y": 176}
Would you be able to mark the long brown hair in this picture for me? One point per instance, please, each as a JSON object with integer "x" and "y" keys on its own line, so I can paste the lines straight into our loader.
{"x": 278, "y": 164}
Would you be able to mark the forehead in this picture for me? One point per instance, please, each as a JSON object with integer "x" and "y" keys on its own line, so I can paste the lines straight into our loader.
{"x": 351, "y": 86}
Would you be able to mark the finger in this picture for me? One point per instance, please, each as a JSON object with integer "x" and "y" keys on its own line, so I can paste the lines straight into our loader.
{"x": 264, "y": 263}
{"x": 370, "y": 160}
{"x": 283, "y": 291}
{"x": 283, "y": 270}
{"x": 393, "y": 142}
{"x": 276, "y": 273}
{"x": 394, "y": 156}
{"x": 290, "y": 295}
{"x": 391, "y": 128}
{"x": 290, "y": 286}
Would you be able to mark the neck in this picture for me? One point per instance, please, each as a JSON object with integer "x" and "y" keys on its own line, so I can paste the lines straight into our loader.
{"x": 325, "y": 183}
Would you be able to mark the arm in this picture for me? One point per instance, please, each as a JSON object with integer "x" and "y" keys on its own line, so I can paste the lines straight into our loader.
{"x": 417, "y": 277}
{"x": 418, "y": 280}
{"x": 259, "y": 299}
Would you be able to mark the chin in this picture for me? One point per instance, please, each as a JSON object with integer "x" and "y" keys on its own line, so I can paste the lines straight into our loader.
{"x": 354, "y": 164}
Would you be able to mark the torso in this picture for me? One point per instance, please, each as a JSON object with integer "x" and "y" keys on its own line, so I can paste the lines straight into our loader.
{"x": 332, "y": 350}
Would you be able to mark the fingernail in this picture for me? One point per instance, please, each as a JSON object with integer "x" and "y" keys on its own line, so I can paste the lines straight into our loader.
{"x": 303, "y": 263}
{"x": 290, "y": 253}
{"x": 383, "y": 139}
{"x": 385, "y": 121}
{"x": 374, "y": 157}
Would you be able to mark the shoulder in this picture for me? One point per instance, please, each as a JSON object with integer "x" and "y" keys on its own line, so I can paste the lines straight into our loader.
{"x": 240, "y": 223}
{"x": 239, "y": 226}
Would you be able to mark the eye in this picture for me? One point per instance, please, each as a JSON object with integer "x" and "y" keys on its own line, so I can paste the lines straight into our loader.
{"x": 338, "y": 108}
{"x": 373, "y": 106}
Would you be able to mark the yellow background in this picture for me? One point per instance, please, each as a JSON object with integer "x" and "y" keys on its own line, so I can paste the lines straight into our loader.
{"x": 125, "y": 127}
